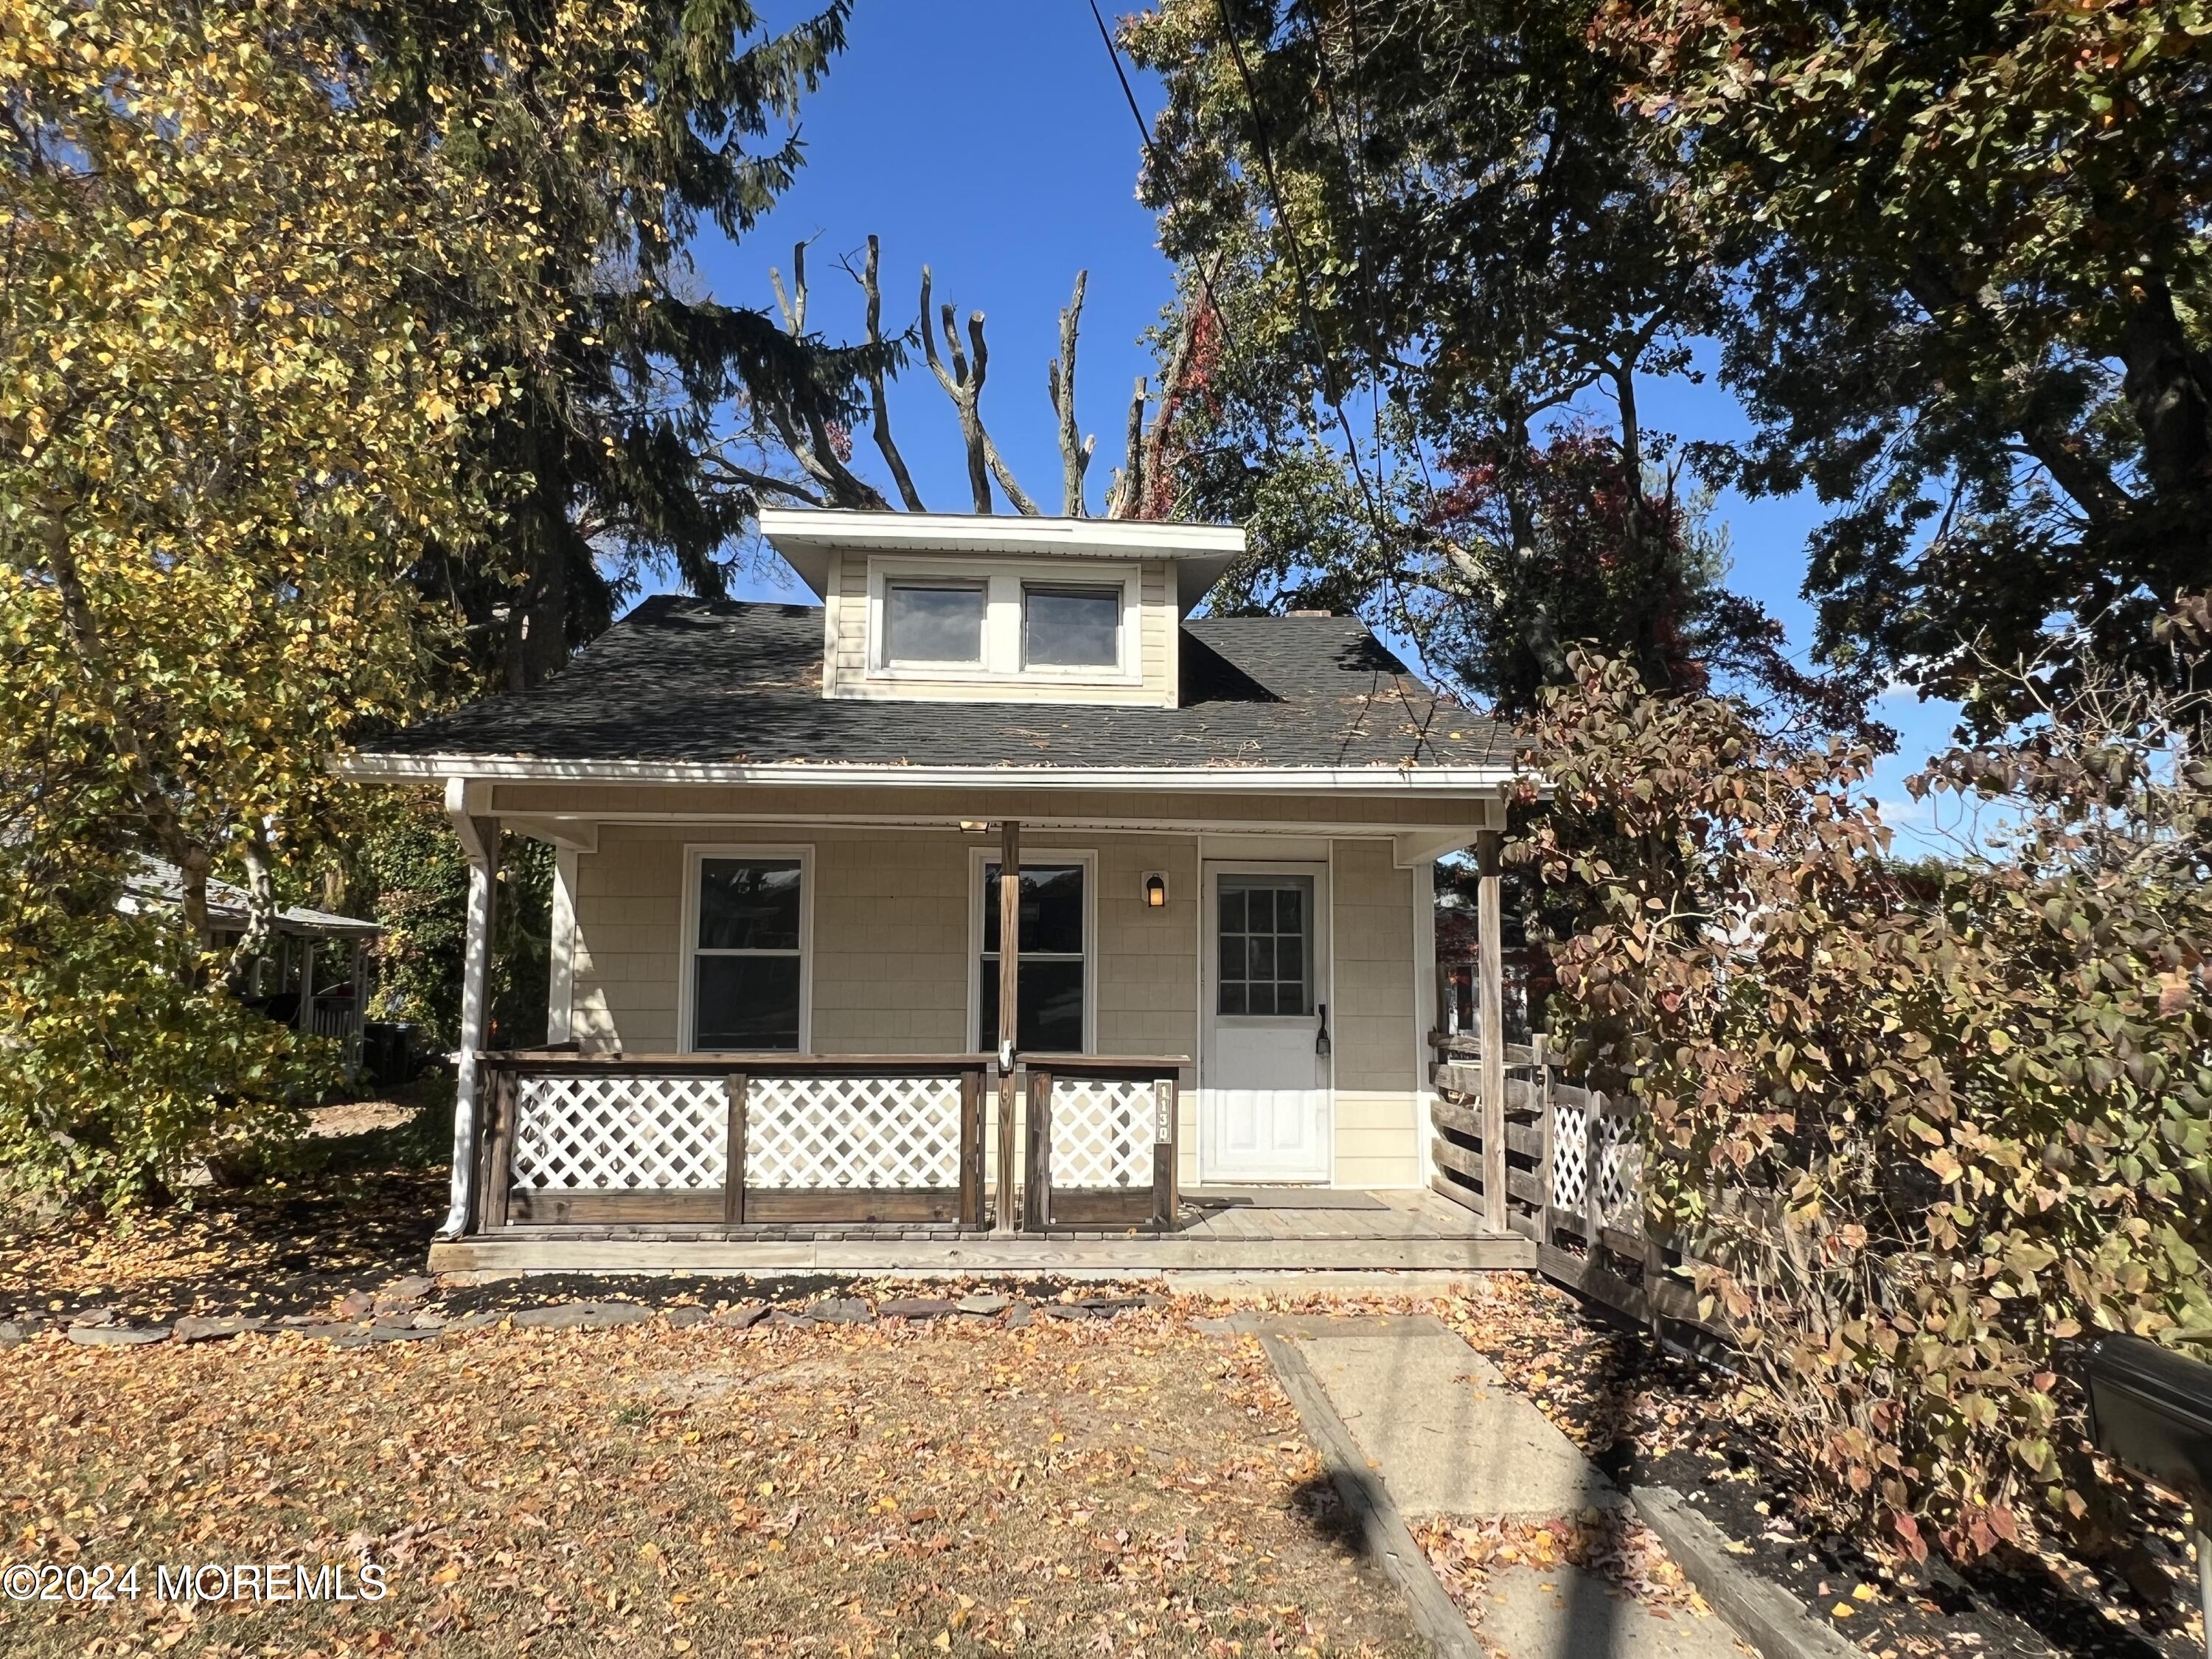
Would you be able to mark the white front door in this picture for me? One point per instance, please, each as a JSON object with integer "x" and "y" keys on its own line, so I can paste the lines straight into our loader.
{"x": 1264, "y": 1069}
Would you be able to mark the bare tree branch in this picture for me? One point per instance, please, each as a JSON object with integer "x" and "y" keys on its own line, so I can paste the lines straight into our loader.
{"x": 876, "y": 392}
{"x": 816, "y": 452}
{"x": 720, "y": 467}
{"x": 963, "y": 384}
{"x": 1060, "y": 381}
{"x": 958, "y": 387}
{"x": 1123, "y": 499}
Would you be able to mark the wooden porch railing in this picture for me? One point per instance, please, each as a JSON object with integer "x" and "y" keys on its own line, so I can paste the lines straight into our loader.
{"x": 1574, "y": 1176}
{"x": 1102, "y": 1141}
{"x": 730, "y": 1139}
{"x": 775, "y": 1139}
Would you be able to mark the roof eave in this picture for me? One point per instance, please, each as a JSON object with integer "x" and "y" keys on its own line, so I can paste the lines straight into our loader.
{"x": 806, "y": 538}
{"x": 1484, "y": 781}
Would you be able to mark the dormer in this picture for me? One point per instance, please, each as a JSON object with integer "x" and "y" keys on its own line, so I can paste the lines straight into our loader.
{"x": 935, "y": 607}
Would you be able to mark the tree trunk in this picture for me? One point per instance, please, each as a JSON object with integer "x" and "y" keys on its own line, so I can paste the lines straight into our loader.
{"x": 2169, "y": 386}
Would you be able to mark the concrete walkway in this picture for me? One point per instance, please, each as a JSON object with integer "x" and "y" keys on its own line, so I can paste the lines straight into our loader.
{"x": 1446, "y": 1435}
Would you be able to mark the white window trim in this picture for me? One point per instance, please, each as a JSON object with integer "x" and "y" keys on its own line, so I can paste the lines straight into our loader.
{"x": 978, "y": 857}
{"x": 695, "y": 855}
{"x": 1004, "y": 585}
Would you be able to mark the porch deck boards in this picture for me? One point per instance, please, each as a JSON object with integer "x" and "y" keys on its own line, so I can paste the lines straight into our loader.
{"x": 1415, "y": 1230}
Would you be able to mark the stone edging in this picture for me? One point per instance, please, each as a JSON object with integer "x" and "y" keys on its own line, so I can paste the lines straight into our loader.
{"x": 397, "y": 1315}
{"x": 1761, "y": 1611}
{"x": 1389, "y": 1538}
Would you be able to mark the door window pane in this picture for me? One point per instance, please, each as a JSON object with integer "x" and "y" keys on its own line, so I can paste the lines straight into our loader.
{"x": 932, "y": 625}
{"x": 747, "y": 1002}
{"x": 749, "y": 904}
{"x": 1071, "y": 626}
{"x": 1264, "y": 936}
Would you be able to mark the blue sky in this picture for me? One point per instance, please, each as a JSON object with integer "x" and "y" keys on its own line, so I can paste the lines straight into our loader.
{"x": 989, "y": 139}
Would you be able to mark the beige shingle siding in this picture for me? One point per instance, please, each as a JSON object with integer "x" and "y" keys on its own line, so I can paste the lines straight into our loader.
{"x": 1372, "y": 1024}
{"x": 1147, "y": 971}
{"x": 1377, "y": 1138}
{"x": 892, "y": 966}
{"x": 890, "y": 942}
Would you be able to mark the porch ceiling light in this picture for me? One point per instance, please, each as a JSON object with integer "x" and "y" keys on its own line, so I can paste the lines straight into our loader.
{"x": 1156, "y": 889}
{"x": 973, "y": 826}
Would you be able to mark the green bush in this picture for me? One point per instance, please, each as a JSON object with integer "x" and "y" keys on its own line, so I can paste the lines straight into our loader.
{"x": 123, "y": 1061}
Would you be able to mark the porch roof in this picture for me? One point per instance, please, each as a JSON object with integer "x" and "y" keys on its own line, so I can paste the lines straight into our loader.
{"x": 157, "y": 884}
{"x": 688, "y": 682}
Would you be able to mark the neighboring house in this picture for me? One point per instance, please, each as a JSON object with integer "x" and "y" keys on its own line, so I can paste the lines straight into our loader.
{"x": 778, "y": 984}
{"x": 1528, "y": 982}
{"x": 315, "y": 973}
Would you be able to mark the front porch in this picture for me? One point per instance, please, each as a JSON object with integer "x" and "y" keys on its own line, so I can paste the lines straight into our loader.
{"x": 775, "y": 1162}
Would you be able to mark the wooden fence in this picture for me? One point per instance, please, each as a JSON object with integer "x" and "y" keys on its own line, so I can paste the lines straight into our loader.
{"x": 1574, "y": 1178}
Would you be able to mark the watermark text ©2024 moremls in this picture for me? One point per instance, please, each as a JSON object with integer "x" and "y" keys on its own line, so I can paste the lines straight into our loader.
{"x": 210, "y": 1581}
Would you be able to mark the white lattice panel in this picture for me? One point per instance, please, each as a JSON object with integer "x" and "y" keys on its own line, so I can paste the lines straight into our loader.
{"x": 1102, "y": 1133}
{"x": 597, "y": 1133}
{"x": 1569, "y": 1156}
{"x": 816, "y": 1133}
{"x": 1618, "y": 1169}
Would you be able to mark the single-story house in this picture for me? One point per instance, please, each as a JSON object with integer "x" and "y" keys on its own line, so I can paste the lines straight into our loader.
{"x": 788, "y": 984}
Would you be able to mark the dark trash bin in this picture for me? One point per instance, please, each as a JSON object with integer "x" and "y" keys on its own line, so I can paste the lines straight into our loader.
{"x": 389, "y": 1053}
{"x": 2151, "y": 1407}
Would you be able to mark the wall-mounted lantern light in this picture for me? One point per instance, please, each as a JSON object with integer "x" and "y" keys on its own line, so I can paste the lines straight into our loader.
{"x": 1156, "y": 889}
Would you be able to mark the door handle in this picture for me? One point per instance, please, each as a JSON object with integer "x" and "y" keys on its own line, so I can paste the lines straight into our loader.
{"x": 1320, "y": 1038}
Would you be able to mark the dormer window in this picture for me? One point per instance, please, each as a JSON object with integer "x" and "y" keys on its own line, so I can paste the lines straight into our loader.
{"x": 1071, "y": 626}
{"x": 933, "y": 624}
{"x": 978, "y": 608}
{"x": 1034, "y": 628}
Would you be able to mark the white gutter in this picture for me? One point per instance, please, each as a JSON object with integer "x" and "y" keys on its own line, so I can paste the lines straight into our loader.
{"x": 1182, "y": 780}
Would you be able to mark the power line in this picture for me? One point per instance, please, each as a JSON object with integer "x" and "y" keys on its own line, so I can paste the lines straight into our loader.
{"x": 1152, "y": 155}
{"x": 1383, "y": 531}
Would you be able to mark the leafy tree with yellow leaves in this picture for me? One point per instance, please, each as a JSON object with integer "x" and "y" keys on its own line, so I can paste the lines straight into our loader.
{"x": 294, "y": 297}
{"x": 225, "y": 438}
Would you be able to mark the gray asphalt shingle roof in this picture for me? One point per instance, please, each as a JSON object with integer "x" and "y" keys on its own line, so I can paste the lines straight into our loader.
{"x": 688, "y": 680}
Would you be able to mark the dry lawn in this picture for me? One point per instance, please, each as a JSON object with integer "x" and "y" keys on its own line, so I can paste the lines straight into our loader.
{"x": 1133, "y": 1488}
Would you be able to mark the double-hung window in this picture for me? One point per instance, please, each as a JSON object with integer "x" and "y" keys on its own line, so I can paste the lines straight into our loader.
{"x": 1054, "y": 969}
{"x": 747, "y": 975}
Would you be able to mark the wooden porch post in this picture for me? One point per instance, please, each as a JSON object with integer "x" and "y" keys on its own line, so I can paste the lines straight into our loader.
{"x": 479, "y": 839}
{"x": 1490, "y": 1019}
{"x": 1010, "y": 999}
